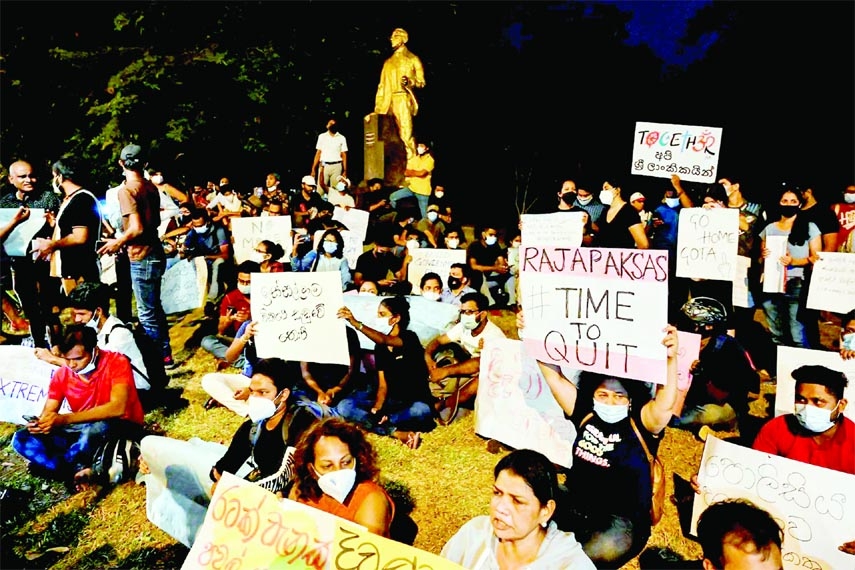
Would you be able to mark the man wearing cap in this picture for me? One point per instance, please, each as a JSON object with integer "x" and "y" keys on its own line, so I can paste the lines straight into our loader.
{"x": 432, "y": 227}
{"x": 139, "y": 204}
{"x": 638, "y": 201}
{"x": 331, "y": 154}
{"x": 306, "y": 203}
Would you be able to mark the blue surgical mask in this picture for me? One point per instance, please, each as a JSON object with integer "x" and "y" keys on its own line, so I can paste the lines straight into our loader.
{"x": 341, "y": 186}
{"x": 89, "y": 368}
{"x": 330, "y": 247}
{"x": 490, "y": 240}
{"x": 432, "y": 216}
{"x": 672, "y": 202}
{"x": 813, "y": 419}
{"x": 848, "y": 341}
{"x": 93, "y": 322}
{"x": 584, "y": 200}
{"x": 609, "y": 413}
{"x": 469, "y": 322}
{"x": 201, "y": 229}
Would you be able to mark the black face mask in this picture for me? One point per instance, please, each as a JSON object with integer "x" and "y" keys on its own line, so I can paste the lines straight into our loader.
{"x": 568, "y": 198}
{"x": 789, "y": 211}
{"x": 454, "y": 283}
{"x": 333, "y": 129}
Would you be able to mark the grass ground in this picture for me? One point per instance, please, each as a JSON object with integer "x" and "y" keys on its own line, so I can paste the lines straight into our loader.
{"x": 448, "y": 481}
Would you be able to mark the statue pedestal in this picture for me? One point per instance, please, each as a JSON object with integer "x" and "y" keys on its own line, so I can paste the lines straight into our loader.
{"x": 385, "y": 155}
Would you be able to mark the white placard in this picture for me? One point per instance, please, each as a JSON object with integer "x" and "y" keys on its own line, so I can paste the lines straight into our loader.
{"x": 773, "y": 271}
{"x": 515, "y": 406}
{"x": 687, "y": 354}
{"x": 560, "y": 229}
{"x": 354, "y": 237}
{"x": 740, "y": 297}
{"x": 24, "y": 383}
{"x": 19, "y": 239}
{"x": 661, "y": 150}
{"x": 439, "y": 261}
{"x": 790, "y": 358}
{"x": 832, "y": 285}
{"x": 814, "y": 506}
{"x": 184, "y": 286}
{"x": 248, "y": 232}
{"x": 296, "y": 314}
{"x": 707, "y": 243}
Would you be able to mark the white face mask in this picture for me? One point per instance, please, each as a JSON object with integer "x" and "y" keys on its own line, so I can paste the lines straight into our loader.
{"x": 849, "y": 198}
{"x": 330, "y": 247}
{"x": 93, "y": 322}
{"x": 259, "y": 408}
{"x": 245, "y": 289}
{"x": 848, "y": 341}
{"x": 606, "y": 197}
{"x": 609, "y": 413}
{"x": 490, "y": 240}
{"x": 452, "y": 243}
{"x": 341, "y": 186}
{"x": 430, "y": 295}
{"x": 258, "y": 257}
{"x": 584, "y": 200}
{"x": 264, "y": 214}
{"x": 469, "y": 322}
{"x": 91, "y": 366}
{"x": 157, "y": 180}
{"x": 672, "y": 202}
{"x": 338, "y": 484}
{"x": 201, "y": 229}
{"x": 382, "y": 324}
{"x": 816, "y": 420}
{"x": 421, "y": 150}
{"x": 439, "y": 194}
{"x": 412, "y": 245}
{"x": 432, "y": 216}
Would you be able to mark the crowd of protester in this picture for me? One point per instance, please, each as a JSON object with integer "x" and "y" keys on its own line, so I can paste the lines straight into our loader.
{"x": 147, "y": 224}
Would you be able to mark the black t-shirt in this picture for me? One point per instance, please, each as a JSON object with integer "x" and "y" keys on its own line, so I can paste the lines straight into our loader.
{"x": 823, "y": 217}
{"x": 405, "y": 370}
{"x": 484, "y": 254}
{"x": 80, "y": 260}
{"x": 329, "y": 375}
{"x": 616, "y": 233}
{"x": 374, "y": 268}
{"x": 725, "y": 364}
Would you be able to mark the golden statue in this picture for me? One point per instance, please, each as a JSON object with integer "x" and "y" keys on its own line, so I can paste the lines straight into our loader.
{"x": 401, "y": 73}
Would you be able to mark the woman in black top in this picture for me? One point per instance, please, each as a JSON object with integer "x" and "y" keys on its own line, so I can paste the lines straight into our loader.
{"x": 620, "y": 225}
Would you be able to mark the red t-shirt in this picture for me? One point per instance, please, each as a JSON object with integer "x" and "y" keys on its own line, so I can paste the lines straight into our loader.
{"x": 782, "y": 436}
{"x": 239, "y": 302}
{"x": 111, "y": 369}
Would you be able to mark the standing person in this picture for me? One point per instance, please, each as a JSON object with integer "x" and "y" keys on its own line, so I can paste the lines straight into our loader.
{"x": 36, "y": 289}
{"x": 620, "y": 226}
{"x": 638, "y": 201}
{"x": 401, "y": 72}
{"x": 71, "y": 249}
{"x": 665, "y": 220}
{"x": 418, "y": 175}
{"x": 139, "y": 202}
{"x": 591, "y": 204}
{"x": 845, "y": 212}
{"x": 331, "y": 155}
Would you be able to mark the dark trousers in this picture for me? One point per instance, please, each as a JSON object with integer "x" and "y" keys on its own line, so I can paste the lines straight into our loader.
{"x": 39, "y": 293}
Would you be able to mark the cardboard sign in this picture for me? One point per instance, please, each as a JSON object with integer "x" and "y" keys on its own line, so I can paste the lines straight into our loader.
{"x": 354, "y": 237}
{"x": 19, "y": 239}
{"x": 184, "y": 286}
{"x": 438, "y": 261}
{"x": 598, "y": 309}
{"x": 248, "y": 232}
{"x": 561, "y": 229}
{"x": 515, "y": 406}
{"x": 661, "y": 150}
{"x": 774, "y": 274}
{"x": 248, "y": 527}
{"x": 24, "y": 382}
{"x": 832, "y": 285}
{"x": 689, "y": 351}
{"x": 812, "y": 505}
{"x": 296, "y": 314}
{"x": 741, "y": 295}
{"x": 707, "y": 243}
{"x": 790, "y": 358}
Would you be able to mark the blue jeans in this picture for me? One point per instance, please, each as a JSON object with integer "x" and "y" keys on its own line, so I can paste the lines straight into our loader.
{"x": 66, "y": 449}
{"x": 782, "y": 316}
{"x": 216, "y": 346}
{"x": 146, "y": 276}
{"x": 708, "y": 414}
{"x": 416, "y": 416}
{"x": 407, "y": 193}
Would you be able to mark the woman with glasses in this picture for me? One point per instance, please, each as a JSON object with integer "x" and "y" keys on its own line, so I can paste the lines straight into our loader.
{"x": 267, "y": 254}
{"x": 329, "y": 256}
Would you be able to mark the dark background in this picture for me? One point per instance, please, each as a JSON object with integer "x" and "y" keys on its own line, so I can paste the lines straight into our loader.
{"x": 519, "y": 96}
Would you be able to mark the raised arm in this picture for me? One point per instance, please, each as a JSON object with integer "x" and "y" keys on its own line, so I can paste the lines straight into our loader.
{"x": 656, "y": 413}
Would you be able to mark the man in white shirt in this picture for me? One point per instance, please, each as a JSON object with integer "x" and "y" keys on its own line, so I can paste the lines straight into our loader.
{"x": 331, "y": 155}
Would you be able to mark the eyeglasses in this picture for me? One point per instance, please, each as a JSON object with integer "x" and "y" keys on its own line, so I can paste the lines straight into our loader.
{"x": 469, "y": 311}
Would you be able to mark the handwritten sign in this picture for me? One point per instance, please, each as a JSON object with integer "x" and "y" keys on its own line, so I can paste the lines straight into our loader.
{"x": 24, "y": 382}
{"x": 832, "y": 285}
{"x": 438, "y": 261}
{"x": 598, "y": 309}
{"x": 515, "y": 406}
{"x": 19, "y": 239}
{"x": 184, "y": 286}
{"x": 741, "y": 296}
{"x": 813, "y": 505}
{"x": 248, "y": 232}
{"x": 707, "y": 242}
{"x": 661, "y": 150}
{"x": 790, "y": 358}
{"x": 558, "y": 228}
{"x": 296, "y": 314}
{"x": 773, "y": 272}
{"x": 354, "y": 237}
{"x": 247, "y": 527}
{"x": 689, "y": 351}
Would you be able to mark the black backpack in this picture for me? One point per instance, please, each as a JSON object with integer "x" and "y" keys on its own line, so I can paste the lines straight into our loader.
{"x": 116, "y": 461}
{"x": 151, "y": 354}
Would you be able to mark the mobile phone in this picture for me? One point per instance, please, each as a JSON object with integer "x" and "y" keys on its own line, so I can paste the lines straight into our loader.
{"x": 30, "y": 418}
{"x": 230, "y": 310}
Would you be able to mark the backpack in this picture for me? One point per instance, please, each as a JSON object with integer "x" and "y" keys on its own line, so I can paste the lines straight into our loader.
{"x": 116, "y": 461}
{"x": 151, "y": 354}
{"x": 657, "y": 474}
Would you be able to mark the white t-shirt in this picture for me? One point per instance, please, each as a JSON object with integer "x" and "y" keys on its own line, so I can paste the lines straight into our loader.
{"x": 331, "y": 146}
{"x": 122, "y": 341}
{"x": 229, "y": 203}
{"x": 472, "y": 344}
{"x": 336, "y": 198}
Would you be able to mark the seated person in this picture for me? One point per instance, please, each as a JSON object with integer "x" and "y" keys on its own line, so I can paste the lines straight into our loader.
{"x": 225, "y": 204}
{"x": 329, "y": 256}
{"x": 180, "y": 476}
{"x": 458, "y": 284}
{"x": 378, "y": 264}
{"x": 368, "y": 288}
{"x": 468, "y": 335}
{"x": 431, "y": 286}
{"x": 307, "y": 203}
{"x": 268, "y": 254}
{"x": 234, "y": 311}
{"x": 490, "y": 271}
{"x": 453, "y": 238}
{"x": 847, "y": 336}
{"x": 519, "y": 531}
{"x": 99, "y": 388}
{"x": 734, "y": 533}
{"x": 327, "y": 384}
{"x": 335, "y": 470}
{"x": 209, "y": 241}
{"x": 399, "y": 405}
{"x": 431, "y": 227}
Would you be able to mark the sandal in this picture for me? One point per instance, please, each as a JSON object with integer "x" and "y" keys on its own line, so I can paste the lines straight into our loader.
{"x": 211, "y": 403}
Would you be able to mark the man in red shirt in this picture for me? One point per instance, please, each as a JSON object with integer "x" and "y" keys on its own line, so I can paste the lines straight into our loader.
{"x": 99, "y": 388}
{"x": 234, "y": 311}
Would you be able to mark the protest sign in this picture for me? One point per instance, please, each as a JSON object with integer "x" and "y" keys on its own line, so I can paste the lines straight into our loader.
{"x": 813, "y": 505}
{"x": 108, "y": 269}
{"x": 247, "y": 232}
{"x": 689, "y": 351}
{"x": 740, "y": 296}
{"x": 515, "y": 406}
{"x": 773, "y": 272}
{"x": 598, "y": 309}
{"x": 296, "y": 314}
{"x": 249, "y": 527}
{"x": 24, "y": 382}
{"x": 184, "y": 286}
{"x": 790, "y": 358}
{"x": 438, "y": 261}
{"x": 356, "y": 222}
{"x": 561, "y": 229}
{"x": 832, "y": 285}
{"x": 662, "y": 150}
{"x": 707, "y": 242}
{"x": 17, "y": 242}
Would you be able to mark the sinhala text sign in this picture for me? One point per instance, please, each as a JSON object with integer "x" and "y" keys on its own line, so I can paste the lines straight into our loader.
{"x": 662, "y": 150}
